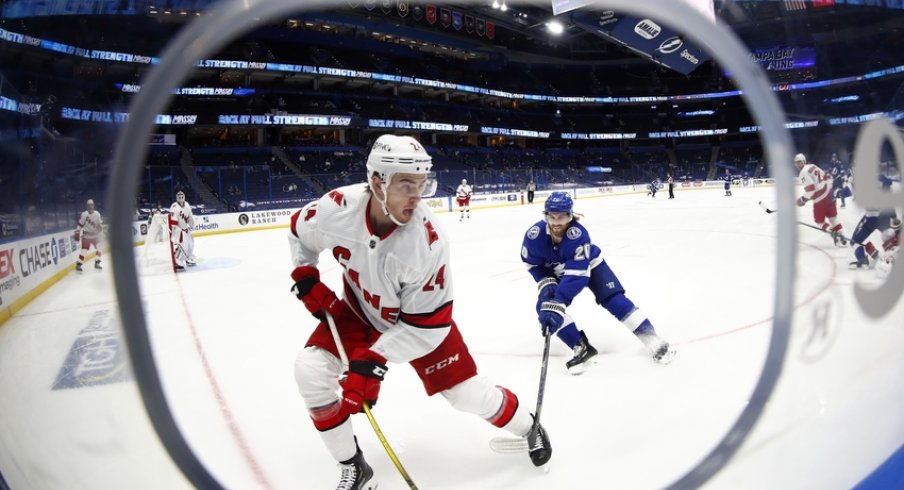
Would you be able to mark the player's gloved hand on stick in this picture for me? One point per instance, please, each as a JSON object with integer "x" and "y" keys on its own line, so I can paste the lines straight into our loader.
{"x": 802, "y": 201}
{"x": 552, "y": 315}
{"x": 546, "y": 290}
{"x": 315, "y": 295}
{"x": 362, "y": 385}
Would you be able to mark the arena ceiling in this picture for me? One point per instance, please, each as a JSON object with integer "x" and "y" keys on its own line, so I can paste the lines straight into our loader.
{"x": 521, "y": 37}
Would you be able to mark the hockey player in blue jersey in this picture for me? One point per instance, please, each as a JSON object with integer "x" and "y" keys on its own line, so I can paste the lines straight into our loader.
{"x": 841, "y": 174}
{"x": 652, "y": 187}
{"x": 727, "y": 179}
{"x": 563, "y": 261}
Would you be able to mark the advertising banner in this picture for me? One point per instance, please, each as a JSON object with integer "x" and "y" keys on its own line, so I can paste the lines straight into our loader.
{"x": 651, "y": 39}
{"x": 26, "y": 264}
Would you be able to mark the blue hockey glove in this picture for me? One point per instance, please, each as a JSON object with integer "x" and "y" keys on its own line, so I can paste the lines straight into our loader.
{"x": 546, "y": 291}
{"x": 552, "y": 315}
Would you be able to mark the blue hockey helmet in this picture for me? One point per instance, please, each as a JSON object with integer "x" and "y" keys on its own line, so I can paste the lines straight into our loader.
{"x": 558, "y": 202}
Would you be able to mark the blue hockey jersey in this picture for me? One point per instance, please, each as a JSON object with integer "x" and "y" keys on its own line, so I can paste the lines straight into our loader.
{"x": 570, "y": 262}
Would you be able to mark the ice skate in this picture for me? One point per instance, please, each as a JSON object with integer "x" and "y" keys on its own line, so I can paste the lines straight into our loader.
{"x": 191, "y": 262}
{"x": 97, "y": 265}
{"x": 583, "y": 353}
{"x": 839, "y": 239}
{"x": 78, "y": 267}
{"x": 356, "y": 474}
{"x": 538, "y": 445}
{"x": 180, "y": 268}
{"x": 859, "y": 264}
{"x": 660, "y": 350}
{"x": 664, "y": 353}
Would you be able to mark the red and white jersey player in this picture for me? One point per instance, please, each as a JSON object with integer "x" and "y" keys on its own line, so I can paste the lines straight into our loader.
{"x": 384, "y": 276}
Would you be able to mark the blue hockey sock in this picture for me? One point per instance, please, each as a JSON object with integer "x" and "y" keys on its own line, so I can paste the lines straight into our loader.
{"x": 630, "y": 315}
{"x": 645, "y": 328}
{"x": 619, "y": 306}
{"x": 570, "y": 335}
{"x": 860, "y": 253}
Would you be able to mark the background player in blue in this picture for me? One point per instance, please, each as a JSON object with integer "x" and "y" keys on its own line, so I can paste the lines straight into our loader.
{"x": 727, "y": 179}
{"x": 652, "y": 187}
{"x": 840, "y": 175}
{"x": 872, "y": 220}
{"x": 563, "y": 261}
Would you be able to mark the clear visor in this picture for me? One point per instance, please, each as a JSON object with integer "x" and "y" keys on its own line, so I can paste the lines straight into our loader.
{"x": 409, "y": 185}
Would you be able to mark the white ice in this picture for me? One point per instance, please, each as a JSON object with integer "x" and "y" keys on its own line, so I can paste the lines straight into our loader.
{"x": 701, "y": 267}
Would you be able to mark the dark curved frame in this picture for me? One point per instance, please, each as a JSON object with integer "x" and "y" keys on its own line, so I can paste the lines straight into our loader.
{"x": 231, "y": 18}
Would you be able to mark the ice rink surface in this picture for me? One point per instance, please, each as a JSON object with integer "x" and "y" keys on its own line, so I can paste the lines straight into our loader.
{"x": 701, "y": 267}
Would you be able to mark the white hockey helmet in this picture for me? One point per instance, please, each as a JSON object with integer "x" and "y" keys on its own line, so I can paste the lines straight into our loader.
{"x": 464, "y": 181}
{"x": 800, "y": 158}
{"x": 391, "y": 154}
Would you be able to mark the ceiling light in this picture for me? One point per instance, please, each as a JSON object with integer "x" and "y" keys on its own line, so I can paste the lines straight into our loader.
{"x": 495, "y": 4}
{"x": 555, "y": 27}
{"x": 503, "y": 7}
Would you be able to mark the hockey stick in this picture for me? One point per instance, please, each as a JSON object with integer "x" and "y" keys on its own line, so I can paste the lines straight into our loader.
{"x": 373, "y": 422}
{"x": 542, "y": 388}
{"x": 808, "y": 225}
{"x": 850, "y": 240}
{"x": 769, "y": 211}
{"x": 520, "y": 445}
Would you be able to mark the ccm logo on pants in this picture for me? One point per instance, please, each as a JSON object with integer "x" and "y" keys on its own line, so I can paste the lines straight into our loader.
{"x": 441, "y": 364}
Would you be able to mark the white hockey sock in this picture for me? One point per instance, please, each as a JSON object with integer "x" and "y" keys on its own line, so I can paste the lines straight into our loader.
{"x": 340, "y": 441}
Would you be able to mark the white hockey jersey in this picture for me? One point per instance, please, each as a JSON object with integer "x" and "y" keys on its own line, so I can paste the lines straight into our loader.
{"x": 463, "y": 191}
{"x": 399, "y": 282}
{"x": 90, "y": 224}
{"x": 183, "y": 216}
{"x": 817, "y": 184}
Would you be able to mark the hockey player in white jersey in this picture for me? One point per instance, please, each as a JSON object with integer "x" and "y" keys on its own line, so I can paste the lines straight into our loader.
{"x": 891, "y": 242}
{"x": 88, "y": 231}
{"x": 818, "y": 188}
{"x": 866, "y": 253}
{"x": 182, "y": 221}
{"x": 463, "y": 197}
{"x": 397, "y": 307}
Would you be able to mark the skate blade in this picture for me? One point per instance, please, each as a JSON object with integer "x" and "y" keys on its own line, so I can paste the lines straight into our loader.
{"x": 667, "y": 358}
{"x": 508, "y": 445}
{"x": 580, "y": 368}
